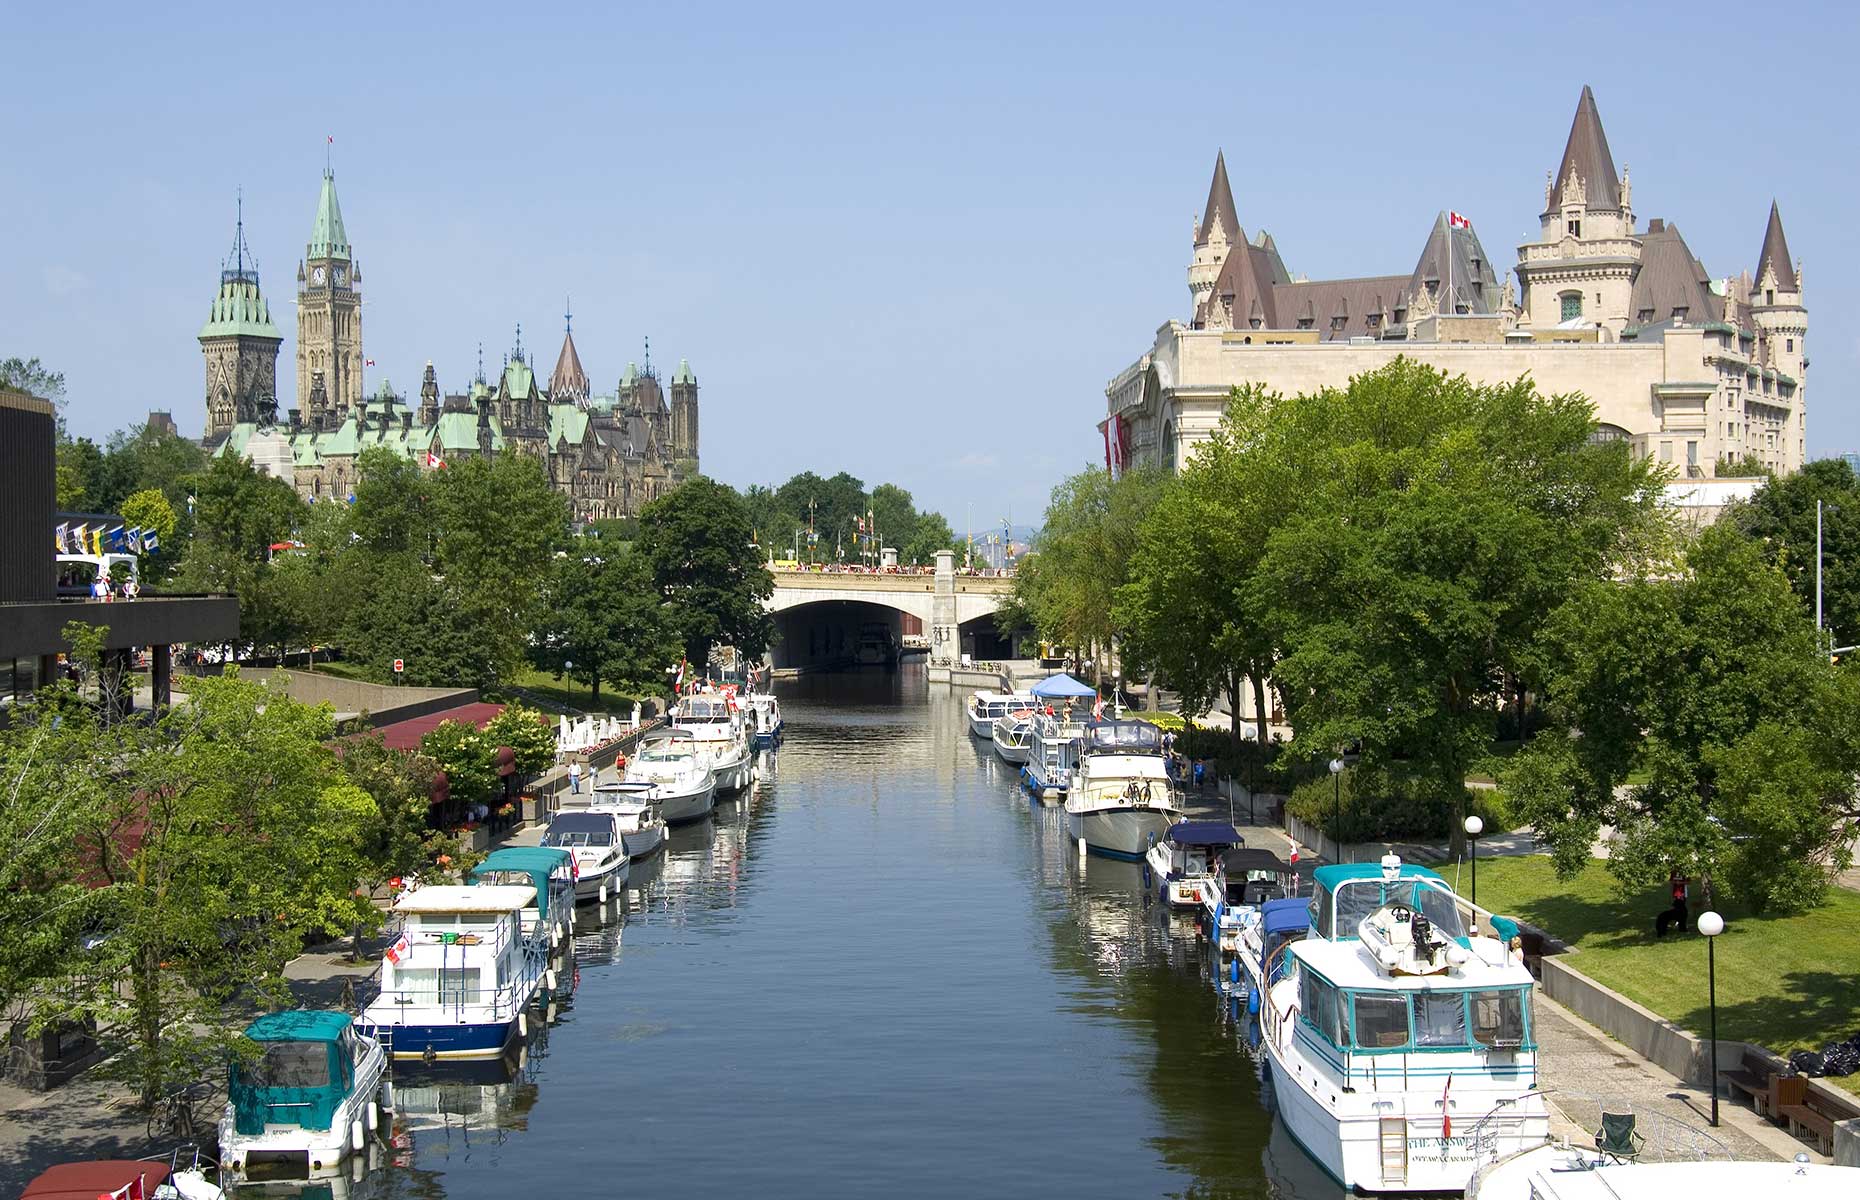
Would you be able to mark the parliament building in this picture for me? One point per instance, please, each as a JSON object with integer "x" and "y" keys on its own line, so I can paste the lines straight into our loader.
{"x": 610, "y": 453}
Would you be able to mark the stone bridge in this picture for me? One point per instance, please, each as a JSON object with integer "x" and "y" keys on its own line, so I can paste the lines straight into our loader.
{"x": 820, "y": 616}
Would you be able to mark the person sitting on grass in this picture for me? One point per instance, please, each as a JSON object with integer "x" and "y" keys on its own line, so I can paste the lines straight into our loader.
{"x": 1676, "y": 912}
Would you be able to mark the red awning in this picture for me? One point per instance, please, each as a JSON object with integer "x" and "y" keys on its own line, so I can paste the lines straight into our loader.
{"x": 405, "y": 735}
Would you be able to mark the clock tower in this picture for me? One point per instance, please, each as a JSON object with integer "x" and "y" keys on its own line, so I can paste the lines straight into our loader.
{"x": 329, "y": 317}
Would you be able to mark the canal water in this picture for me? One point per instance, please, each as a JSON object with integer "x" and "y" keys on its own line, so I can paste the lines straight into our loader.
{"x": 883, "y": 973}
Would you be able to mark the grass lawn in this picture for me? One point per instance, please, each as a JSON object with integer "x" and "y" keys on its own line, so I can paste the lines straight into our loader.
{"x": 1783, "y": 981}
{"x": 575, "y": 696}
{"x": 342, "y": 670}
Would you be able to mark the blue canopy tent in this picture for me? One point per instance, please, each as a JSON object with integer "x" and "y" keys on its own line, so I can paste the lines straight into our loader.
{"x": 1062, "y": 687}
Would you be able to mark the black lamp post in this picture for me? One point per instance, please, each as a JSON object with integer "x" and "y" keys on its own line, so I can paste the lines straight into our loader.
{"x": 1711, "y": 925}
{"x": 1336, "y": 804}
{"x": 1475, "y": 826}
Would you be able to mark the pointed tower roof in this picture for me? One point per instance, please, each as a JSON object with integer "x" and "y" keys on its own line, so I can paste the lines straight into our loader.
{"x": 1775, "y": 253}
{"x": 328, "y": 239}
{"x": 1587, "y": 154}
{"x": 239, "y": 310}
{"x": 1220, "y": 206}
{"x": 684, "y": 374}
{"x": 569, "y": 381}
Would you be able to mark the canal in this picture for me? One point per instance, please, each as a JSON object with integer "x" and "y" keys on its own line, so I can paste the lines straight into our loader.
{"x": 881, "y": 974}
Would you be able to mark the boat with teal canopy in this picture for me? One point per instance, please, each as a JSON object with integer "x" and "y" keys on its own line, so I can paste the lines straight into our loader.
{"x": 548, "y": 869}
{"x": 310, "y": 1095}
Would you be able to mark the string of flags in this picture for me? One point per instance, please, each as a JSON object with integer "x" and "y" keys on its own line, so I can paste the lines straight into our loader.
{"x": 86, "y": 538}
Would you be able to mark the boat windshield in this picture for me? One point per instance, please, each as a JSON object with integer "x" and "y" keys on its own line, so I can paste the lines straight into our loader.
{"x": 663, "y": 753}
{"x": 570, "y": 830}
{"x": 1428, "y": 1019}
{"x": 1356, "y": 899}
{"x": 289, "y": 1065}
{"x": 700, "y": 711}
{"x": 1123, "y": 737}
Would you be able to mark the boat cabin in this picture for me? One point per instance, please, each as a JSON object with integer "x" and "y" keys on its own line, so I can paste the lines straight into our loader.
{"x": 1123, "y": 737}
{"x": 1255, "y": 877}
{"x": 582, "y": 829}
{"x": 1195, "y": 847}
{"x": 1345, "y": 894}
{"x": 305, "y": 1068}
{"x": 1282, "y": 922}
{"x": 549, "y": 871}
{"x": 987, "y": 706}
{"x": 708, "y": 709}
{"x": 1408, "y": 1013}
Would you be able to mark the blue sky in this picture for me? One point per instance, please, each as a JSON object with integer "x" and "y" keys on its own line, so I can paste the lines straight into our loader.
{"x": 912, "y": 244}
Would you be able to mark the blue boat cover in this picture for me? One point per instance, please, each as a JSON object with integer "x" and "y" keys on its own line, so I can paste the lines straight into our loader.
{"x": 1061, "y": 687}
{"x": 1286, "y": 916}
{"x": 1205, "y": 833}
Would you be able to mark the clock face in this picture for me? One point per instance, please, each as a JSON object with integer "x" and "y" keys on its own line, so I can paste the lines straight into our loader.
{"x": 342, "y": 276}
{"x": 317, "y": 276}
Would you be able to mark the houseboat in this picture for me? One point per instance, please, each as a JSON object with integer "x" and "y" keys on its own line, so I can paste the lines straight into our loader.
{"x": 667, "y": 772}
{"x": 1119, "y": 798}
{"x": 719, "y": 737}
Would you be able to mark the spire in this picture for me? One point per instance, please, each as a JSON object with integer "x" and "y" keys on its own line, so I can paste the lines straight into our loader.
{"x": 234, "y": 269}
{"x": 516, "y": 354}
{"x": 1775, "y": 253}
{"x": 1587, "y": 155}
{"x": 1220, "y": 206}
{"x": 328, "y": 239}
{"x": 568, "y": 382}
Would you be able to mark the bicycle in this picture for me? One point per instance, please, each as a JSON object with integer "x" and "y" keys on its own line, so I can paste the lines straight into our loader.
{"x": 174, "y": 1114}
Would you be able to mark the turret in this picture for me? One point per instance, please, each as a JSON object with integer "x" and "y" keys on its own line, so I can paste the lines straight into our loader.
{"x": 1215, "y": 235}
{"x": 429, "y": 396}
{"x": 685, "y": 414}
{"x": 1581, "y": 271}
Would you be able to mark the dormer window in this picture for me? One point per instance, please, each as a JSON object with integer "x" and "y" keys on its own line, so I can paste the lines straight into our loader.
{"x": 1254, "y": 323}
{"x": 1679, "y": 312}
{"x": 1575, "y": 228}
{"x": 1304, "y": 322}
{"x": 1401, "y": 316}
{"x": 1769, "y": 296}
{"x": 1337, "y": 324}
{"x": 1644, "y": 316}
{"x": 1373, "y": 320}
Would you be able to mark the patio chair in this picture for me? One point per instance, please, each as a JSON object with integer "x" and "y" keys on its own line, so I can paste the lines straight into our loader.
{"x": 1617, "y": 1137}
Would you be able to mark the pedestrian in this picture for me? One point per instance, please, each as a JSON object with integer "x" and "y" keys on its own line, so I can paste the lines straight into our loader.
{"x": 100, "y": 588}
{"x": 1201, "y": 769}
{"x": 131, "y": 589}
{"x": 574, "y": 778}
{"x": 1675, "y": 914}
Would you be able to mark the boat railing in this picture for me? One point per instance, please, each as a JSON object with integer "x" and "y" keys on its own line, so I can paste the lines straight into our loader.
{"x": 492, "y": 939}
{"x": 497, "y": 1001}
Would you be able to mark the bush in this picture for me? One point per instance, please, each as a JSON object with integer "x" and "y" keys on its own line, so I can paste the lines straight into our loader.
{"x": 1386, "y": 806}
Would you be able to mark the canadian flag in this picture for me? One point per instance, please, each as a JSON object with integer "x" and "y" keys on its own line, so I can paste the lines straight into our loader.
{"x": 399, "y": 950}
{"x": 135, "y": 1189}
{"x": 1446, "y": 1118}
{"x": 1457, "y": 221}
{"x": 368, "y": 362}
{"x": 433, "y": 460}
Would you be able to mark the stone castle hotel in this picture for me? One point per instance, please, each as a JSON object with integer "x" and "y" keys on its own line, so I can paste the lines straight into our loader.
{"x": 610, "y": 454}
{"x": 1693, "y": 370}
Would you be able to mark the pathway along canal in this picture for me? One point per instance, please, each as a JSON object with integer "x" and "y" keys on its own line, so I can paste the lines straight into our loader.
{"x": 880, "y": 975}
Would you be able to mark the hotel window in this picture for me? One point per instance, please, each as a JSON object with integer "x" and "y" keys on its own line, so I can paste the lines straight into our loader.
{"x": 1789, "y": 345}
{"x": 1679, "y": 312}
{"x": 1572, "y": 305}
{"x": 1769, "y": 296}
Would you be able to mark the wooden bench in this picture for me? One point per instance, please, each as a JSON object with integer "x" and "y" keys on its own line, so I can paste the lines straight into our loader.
{"x": 1753, "y": 1084}
{"x": 1790, "y": 1105}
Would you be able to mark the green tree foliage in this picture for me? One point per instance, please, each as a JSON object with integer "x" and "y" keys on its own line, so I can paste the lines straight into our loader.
{"x": 1706, "y": 672}
{"x": 391, "y": 513}
{"x": 150, "y": 511}
{"x": 139, "y": 457}
{"x": 526, "y": 731}
{"x": 602, "y": 612}
{"x": 464, "y": 753}
{"x": 835, "y": 503}
{"x": 240, "y": 512}
{"x": 1781, "y": 517}
{"x": 446, "y": 637}
{"x": 697, "y": 541}
{"x": 496, "y": 526}
{"x": 1066, "y": 589}
{"x": 931, "y": 534}
{"x": 220, "y": 835}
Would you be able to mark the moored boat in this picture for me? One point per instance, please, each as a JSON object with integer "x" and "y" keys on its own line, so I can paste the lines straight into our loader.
{"x": 459, "y": 975}
{"x": 766, "y": 724}
{"x": 642, "y": 825}
{"x": 1570, "y": 1172}
{"x": 986, "y": 706}
{"x": 1119, "y": 798}
{"x": 595, "y": 836}
{"x": 1185, "y": 863}
{"x": 719, "y": 736}
{"x": 1012, "y": 733}
{"x": 550, "y": 871}
{"x": 1399, "y": 1035}
{"x": 312, "y": 1095}
{"x": 683, "y": 788}
{"x": 121, "y": 1179}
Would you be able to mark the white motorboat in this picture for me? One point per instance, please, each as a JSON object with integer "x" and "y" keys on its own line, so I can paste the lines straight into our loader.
{"x": 1052, "y": 751}
{"x": 1568, "y": 1172}
{"x": 1184, "y": 865}
{"x": 1119, "y": 798}
{"x": 1012, "y": 733}
{"x": 986, "y": 707}
{"x": 720, "y": 737}
{"x": 1399, "y": 1035}
{"x": 312, "y": 1096}
{"x": 766, "y": 725}
{"x": 633, "y": 807}
{"x": 549, "y": 920}
{"x": 459, "y": 975}
{"x": 595, "y": 836}
{"x": 683, "y": 788}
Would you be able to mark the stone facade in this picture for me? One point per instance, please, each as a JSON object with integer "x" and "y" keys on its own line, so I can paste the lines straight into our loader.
{"x": 1692, "y": 370}
{"x": 609, "y": 454}
{"x": 240, "y": 345}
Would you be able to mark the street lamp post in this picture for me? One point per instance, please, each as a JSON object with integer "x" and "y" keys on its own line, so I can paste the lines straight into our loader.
{"x": 568, "y": 673}
{"x": 1336, "y": 804}
{"x": 1711, "y": 925}
{"x": 1475, "y": 825}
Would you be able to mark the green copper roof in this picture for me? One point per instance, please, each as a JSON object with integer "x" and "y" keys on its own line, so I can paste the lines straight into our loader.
{"x": 684, "y": 374}
{"x": 328, "y": 239}
{"x": 239, "y": 311}
{"x": 631, "y": 377}
{"x": 519, "y": 383}
{"x": 567, "y": 421}
{"x": 459, "y": 431}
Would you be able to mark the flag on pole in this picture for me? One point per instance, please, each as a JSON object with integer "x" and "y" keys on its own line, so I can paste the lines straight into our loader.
{"x": 1097, "y": 708}
{"x": 1456, "y": 221}
{"x": 58, "y": 537}
{"x": 150, "y": 543}
{"x": 132, "y": 541}
{"x": 368, "y": 362}
{"x": 433, "y": 460}
{"x": 1446, "y": 1118}
{"x": 399, "y": 950}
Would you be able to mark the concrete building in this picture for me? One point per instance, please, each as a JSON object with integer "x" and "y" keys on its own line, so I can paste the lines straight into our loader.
{"x": 1691, "y": 369}
{"x": 610, "y": 454}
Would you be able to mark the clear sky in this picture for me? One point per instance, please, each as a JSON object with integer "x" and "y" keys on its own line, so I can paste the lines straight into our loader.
{"x": 911, "y": 242}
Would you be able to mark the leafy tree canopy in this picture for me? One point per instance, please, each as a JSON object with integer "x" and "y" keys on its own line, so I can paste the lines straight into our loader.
{"x": 697, "y": 541}
{"x": 1781, "y": 517}
{"x": 602, "y": 612}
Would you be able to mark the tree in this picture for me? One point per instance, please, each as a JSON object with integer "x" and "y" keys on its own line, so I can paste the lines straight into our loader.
{"x": 390, "y": 514}
{"x": 1437, "y": 525}
{"x": 219, "y": 836}
{"x": 240, "y": 512}
{"x": 1187, "y": 610}
{"x": 496, "y": 524}
{"x": 140, "y": 457}
{"x": 931, "y": 535}
{"x": 831, "y": 504}
{"x": 602, "y": 613}
{"x": 149, "y": 511}
{"x": 773, "y": 523}
{"x": 78, "y": 463}
{"x": 527, "y": 732}
{"x": 33, "y": 377}
{"x": 444, "y": 636}
{"x": 1706, "y": 673}
{"x": 1781, "y": 517}
{"x": 697, "y": 542}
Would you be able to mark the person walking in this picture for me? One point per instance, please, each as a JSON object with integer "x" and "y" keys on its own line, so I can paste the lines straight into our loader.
{"x": 574, "y": 778}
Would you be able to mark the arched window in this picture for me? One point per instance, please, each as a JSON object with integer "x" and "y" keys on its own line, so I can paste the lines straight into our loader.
{"x": 1572, "y": 306}
{"x": 1605, "y": 433}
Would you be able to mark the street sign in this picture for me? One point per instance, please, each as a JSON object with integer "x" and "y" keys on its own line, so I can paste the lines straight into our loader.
{"x": 399, "y": 666}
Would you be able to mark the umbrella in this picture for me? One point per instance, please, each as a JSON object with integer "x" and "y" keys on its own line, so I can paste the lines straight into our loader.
{"x": 1062, "y": 687}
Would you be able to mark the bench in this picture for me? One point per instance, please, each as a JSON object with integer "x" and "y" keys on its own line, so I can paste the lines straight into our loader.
{"x": 1790, "y": 1105}
{"x": 1753, "y": 1084}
